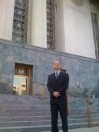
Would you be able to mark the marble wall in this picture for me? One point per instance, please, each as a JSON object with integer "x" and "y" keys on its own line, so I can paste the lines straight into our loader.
{"x": 83, "y": 72}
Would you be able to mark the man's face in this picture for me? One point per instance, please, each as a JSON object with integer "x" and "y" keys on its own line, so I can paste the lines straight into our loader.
{"x": 56, "y": 65}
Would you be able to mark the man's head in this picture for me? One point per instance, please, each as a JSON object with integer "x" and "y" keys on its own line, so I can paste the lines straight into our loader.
{"x": 56, "y": 65}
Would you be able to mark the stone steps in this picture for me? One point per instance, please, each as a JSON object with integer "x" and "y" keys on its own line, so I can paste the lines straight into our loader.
{"x": 47, "y": 116}
{"x": 30, "y": 113}
{"x": 33, "y": 118}
{"x": 40, "y": 117}
{"x": 38, "y": 128}
{"x": 33, "y": 121}
{"x": 42, "y": 127}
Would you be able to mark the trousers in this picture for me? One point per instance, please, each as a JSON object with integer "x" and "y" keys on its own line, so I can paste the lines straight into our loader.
{"x": 62, "y": 109}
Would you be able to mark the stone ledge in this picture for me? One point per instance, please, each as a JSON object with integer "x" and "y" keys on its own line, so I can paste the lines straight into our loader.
{"x": 48, "y": 51}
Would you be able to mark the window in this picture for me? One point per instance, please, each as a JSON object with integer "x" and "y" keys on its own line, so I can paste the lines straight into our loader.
{"x": 50, "y": 25}
{"x": 19, "y": 33}
{"x": 21, "y": 71}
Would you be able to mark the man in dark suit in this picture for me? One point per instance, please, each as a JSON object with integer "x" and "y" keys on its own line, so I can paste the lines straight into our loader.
{"x": 57, "y": 85}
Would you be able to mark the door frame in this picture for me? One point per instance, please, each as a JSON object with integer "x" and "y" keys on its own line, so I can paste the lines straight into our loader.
{"x": 20, "y": 76}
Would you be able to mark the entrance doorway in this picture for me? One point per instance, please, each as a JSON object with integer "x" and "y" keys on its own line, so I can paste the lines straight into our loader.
{"x": 21, "y": 82}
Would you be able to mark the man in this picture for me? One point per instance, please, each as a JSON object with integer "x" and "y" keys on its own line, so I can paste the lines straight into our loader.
{"x": 57, "y": 85}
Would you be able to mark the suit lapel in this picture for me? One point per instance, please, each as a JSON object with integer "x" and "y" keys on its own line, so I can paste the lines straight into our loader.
{"x": 54, "y": 78}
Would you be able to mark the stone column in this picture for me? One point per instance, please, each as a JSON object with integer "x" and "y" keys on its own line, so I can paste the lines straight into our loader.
{"x": 37, "y": 25}
{"x": 6, "y": 18}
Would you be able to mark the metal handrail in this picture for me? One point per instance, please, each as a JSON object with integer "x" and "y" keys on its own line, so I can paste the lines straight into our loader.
{"x": 88, "y": 101}
{"x": 77, "y": 96}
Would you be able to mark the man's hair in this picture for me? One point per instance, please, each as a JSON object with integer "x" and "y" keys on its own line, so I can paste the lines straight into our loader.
{"x": 57, "y": 60}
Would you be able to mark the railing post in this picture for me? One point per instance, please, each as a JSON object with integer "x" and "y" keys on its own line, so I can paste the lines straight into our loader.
{"x": 42, "y": 91}
{"x": 34, "y": 89}
{"x": 89, "y": 102}
{"x": 90, "y": 119}
{"x": 88, "y": 112}
{"x": 68, "y": 103}
{"x": 90, "y": 115}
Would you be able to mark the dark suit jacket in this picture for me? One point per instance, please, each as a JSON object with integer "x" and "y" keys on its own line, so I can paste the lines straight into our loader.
{"x": 60, "y": 85}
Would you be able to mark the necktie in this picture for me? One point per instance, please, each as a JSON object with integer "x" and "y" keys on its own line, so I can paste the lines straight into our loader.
{"x": 56, "y": 74}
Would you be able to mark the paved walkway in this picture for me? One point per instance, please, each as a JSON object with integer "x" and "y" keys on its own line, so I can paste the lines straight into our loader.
{"x": 93, "y": 129}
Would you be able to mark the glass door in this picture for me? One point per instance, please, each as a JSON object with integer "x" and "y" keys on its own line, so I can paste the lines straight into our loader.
{"x": 24, "y": 86}
{"x": 20, "y": 85}
{"x": 16, "y": 85}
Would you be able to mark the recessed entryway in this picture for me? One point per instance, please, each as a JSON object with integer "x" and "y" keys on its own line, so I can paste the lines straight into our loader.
{"x": 21, "y": 81}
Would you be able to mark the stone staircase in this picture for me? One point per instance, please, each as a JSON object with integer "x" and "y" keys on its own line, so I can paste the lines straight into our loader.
{"x": 31, "y": 114}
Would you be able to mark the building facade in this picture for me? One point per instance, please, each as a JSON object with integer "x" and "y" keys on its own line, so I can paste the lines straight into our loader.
{"x": 34, "y": 33}
{"x": 69, "y": 26}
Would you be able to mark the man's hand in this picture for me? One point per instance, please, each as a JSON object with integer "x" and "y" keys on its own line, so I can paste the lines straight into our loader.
{"x": 56, "y": 94}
